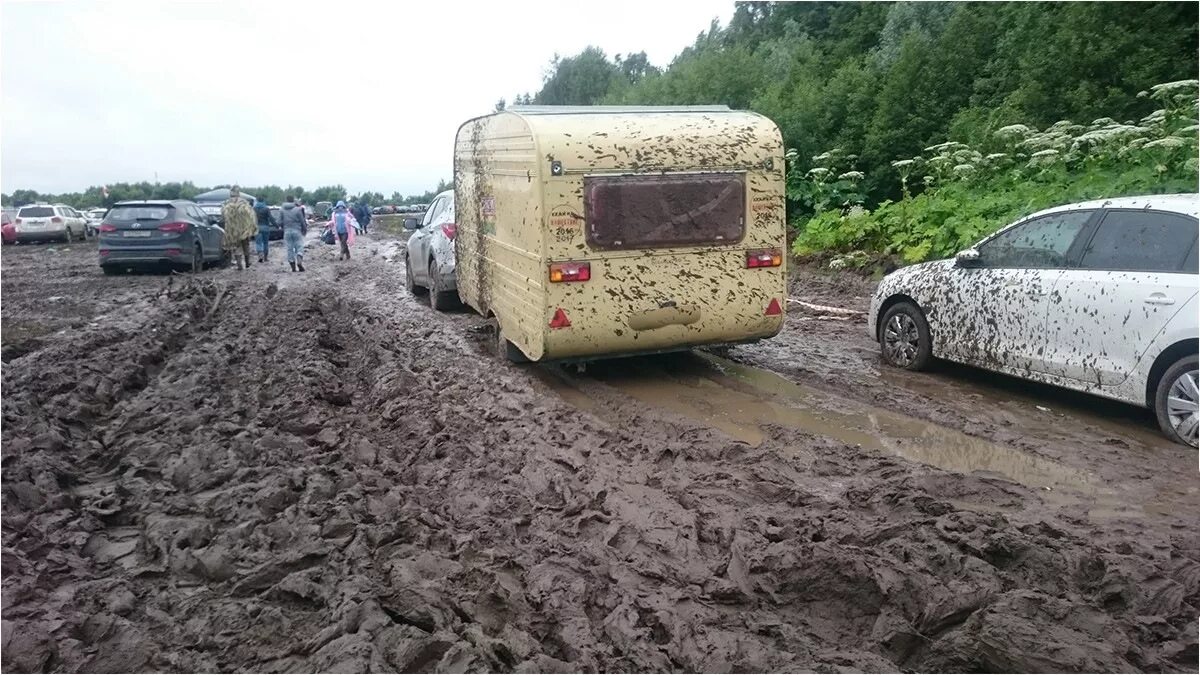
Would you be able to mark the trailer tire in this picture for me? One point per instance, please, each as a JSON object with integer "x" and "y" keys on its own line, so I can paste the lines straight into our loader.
{"x": 504, "y": 348}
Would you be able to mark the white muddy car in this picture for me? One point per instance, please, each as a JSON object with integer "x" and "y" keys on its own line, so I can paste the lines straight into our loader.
{"x": 1098, "y": 297}
{"x": 429, "y": 256}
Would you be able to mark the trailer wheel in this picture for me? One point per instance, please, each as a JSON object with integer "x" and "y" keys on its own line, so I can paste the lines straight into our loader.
{"x": 503, "y": 347}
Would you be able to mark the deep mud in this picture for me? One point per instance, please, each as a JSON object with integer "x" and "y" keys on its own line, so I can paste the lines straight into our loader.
{"x": 318, "y": 473}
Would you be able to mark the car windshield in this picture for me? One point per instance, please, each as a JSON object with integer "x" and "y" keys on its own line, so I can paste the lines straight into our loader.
{"x": 129, "y": 213}
{"x": 36, "y": 212}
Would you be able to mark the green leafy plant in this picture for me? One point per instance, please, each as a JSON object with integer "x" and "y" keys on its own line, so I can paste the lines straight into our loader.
{"x": 969, "y": 192}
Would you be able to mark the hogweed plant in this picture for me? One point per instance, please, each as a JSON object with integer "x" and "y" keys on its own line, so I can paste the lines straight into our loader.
{"x": 954, "y": 194}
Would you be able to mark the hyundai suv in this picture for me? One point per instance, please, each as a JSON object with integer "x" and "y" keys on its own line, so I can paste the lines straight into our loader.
{"x": 153, "y": 232}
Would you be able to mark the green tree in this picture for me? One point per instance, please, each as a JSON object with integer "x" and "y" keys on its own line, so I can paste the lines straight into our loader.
{"x": 582, "y": 79}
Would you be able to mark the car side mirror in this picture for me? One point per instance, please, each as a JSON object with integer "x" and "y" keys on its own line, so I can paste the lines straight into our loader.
{"x": 213, "y": 220}
{"x": 411, "y": 224}
{"x": 968, "y": 258}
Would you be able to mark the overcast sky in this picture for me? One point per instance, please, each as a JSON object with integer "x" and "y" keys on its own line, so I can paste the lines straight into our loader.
{"x": 100, "y": 92}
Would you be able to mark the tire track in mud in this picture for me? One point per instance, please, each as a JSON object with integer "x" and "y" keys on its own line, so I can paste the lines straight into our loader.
{"x": 337, "y": 478}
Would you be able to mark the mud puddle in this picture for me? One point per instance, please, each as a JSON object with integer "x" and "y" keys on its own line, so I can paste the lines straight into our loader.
{"x": 745, "y": 402}
{"x": 1008, "y": 397}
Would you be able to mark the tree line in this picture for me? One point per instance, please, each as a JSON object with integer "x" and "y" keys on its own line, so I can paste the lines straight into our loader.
{"x": 273, "y": 194}
{"x": 884, "y": 80}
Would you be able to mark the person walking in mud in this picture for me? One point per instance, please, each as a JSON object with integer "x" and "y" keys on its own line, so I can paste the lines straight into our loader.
{"x": 262, "y": 214}
{"x": 295, "y": 226}
{"x": 343, "y": 225}
{"x": 362, "y": 213}
{"x": 240, "y": 227}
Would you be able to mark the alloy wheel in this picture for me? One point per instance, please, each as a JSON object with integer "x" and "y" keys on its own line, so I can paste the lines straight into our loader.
{"x": 901, "y": 339}
{"x": 1183, "y": 407}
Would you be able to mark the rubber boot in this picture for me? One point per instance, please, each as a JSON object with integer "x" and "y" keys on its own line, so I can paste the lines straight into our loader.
{"x": 300, "y": 264}
{"x": 293, "y": 265}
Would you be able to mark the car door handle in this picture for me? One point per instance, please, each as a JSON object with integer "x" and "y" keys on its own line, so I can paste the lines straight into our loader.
{"x": 1159, "y": 299}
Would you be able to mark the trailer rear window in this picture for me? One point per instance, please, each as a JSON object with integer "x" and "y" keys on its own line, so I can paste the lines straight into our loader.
{"x": 626, "y": 212}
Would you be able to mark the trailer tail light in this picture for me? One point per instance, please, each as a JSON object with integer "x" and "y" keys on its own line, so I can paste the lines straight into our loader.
{"x": 773, "y": 308}
{"x": 570, "y": 271}
{"x": 174, "y": 228}
{"x": 449, "y": 229}
{"x": 771, "y": 257}
{"x": 106, "y": 227}
{"x": 560, "y": 319}
{"x": 56, "y": 219}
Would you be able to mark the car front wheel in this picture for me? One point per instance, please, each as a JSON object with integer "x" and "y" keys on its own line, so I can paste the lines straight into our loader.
{"x": 904, "y": 337}
{"x": 1176, "y": 402}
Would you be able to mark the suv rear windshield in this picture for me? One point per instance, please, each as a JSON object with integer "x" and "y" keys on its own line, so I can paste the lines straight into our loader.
{"x": 129, "y": 213}
{"x": 36, "y": 212}
{"x": 626, "y": 212}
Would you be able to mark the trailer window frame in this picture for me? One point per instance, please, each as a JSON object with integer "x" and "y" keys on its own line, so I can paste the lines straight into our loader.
{"x": 608, "y": 227}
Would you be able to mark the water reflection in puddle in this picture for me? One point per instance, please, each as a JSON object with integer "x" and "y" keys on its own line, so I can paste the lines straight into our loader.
{"x": 743, "y": 402}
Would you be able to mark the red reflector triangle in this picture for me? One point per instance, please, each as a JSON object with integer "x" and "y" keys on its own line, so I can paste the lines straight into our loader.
{"x": 560, "y": 319}
{"x": 773, "y": 308}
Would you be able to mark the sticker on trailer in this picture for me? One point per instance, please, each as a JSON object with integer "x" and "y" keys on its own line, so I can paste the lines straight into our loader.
{"x": 565, "y": 223}
{"x": 487, "y": 215}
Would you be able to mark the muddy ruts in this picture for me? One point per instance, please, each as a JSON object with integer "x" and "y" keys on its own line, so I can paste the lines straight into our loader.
{"x": 337, "y": 478}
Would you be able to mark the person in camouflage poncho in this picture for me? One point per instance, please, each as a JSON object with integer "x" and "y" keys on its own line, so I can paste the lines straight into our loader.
{"x": 240, "y": 226}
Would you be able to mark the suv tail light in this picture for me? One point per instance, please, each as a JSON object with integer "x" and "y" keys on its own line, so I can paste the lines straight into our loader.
{"x": 56, "y": 219}
{"x": 17, "y": 221}
{"x": 449, "y": 229}
{"x": 771, "y": 257}
{"x": 108, "y": 227}
{"x": 570, "y": 271}
{"x": 176, "y": 228}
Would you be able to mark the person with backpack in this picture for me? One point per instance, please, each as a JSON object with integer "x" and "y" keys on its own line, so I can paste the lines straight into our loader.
{"x": 262, "y": 214}
{"x": 342, "y": 225}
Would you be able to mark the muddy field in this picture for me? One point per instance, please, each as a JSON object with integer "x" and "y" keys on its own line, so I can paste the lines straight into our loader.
{"x": 274, "y": 472}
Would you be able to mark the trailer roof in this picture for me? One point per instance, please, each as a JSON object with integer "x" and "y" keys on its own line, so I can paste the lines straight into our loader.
{"x": 613, "y": 109}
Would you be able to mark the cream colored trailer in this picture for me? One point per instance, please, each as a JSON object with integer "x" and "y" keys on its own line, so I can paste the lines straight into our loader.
{"x": 602, "y": 231}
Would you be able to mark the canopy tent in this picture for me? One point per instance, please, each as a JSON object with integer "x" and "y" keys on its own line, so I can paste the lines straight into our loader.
{"x": 218, "y": 195}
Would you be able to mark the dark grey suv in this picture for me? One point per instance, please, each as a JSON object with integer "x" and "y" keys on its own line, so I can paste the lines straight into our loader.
{"x": 155, "y": 232}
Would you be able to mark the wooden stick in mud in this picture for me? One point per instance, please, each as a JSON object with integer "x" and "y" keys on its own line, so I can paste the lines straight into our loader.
{"x": 826, "y": 309}
{"x": 216, "y": 303}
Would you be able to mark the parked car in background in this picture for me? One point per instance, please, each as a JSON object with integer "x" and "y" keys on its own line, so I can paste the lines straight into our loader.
{"x": 94, "y": 217}
{"x": 156, "y": 232}
{"x": 429, "y": 258}
{"x": 1098, "y": 297}
{"x": 48, "y": 222}
{"x": 8, "y": 232}
{"x": 213, "y": 211}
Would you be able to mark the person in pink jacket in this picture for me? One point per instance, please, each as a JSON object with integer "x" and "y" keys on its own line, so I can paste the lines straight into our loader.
{"x": 343, "y": 224}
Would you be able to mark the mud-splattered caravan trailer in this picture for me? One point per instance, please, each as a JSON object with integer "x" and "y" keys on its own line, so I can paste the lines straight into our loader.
{"x": 601, "y": 231}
